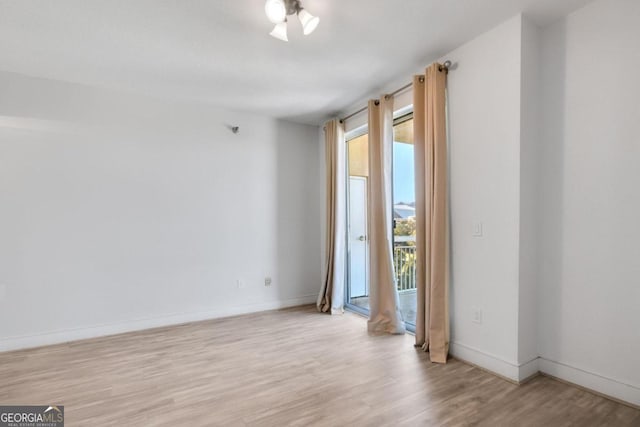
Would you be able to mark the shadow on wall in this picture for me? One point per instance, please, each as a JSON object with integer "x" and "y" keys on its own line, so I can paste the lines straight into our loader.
{"x": 298, "y": 211}
{"x": 551, "y": 191}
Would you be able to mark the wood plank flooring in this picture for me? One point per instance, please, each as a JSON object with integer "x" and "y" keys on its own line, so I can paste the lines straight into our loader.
{"x": 290, "y": 367}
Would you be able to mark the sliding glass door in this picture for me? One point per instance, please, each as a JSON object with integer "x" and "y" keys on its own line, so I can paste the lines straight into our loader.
{"x": 357, "y": 240}
{"x": 402, "y": 211}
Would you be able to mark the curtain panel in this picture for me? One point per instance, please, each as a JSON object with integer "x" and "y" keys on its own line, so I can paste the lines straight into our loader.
{"x": 331, "y": 296}
{"x": 384, "y": 313}
{"x": 432, "y": 218}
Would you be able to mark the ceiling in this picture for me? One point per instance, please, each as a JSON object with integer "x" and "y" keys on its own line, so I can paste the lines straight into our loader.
{"x": 219, "y": 51}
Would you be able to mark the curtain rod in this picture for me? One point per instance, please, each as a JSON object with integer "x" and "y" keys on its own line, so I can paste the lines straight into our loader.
{"x": 445, "y": 66}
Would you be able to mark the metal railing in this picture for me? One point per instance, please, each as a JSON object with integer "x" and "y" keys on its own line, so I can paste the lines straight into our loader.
{"x": 404, "y": 258}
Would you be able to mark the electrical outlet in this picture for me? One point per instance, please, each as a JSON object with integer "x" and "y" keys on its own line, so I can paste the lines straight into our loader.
{"x": 240, "y": 284}
{"x": 267, "y": 281}
{"x": 476, "y": 315}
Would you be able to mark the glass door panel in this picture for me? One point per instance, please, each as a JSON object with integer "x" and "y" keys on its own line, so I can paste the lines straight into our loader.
{"x": 404, "y": 217}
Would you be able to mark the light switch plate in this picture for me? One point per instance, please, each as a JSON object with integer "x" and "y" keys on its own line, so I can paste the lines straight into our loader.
{"x": 477, "y": 315}
{"x": 477, "y": 229}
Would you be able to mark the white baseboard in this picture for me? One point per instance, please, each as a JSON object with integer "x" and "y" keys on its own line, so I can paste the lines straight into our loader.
{"x": 518, "y": 372}
{"x": 598, "y": 383}
{"x": 62, "y": 336}
{"x": 528, "y": 369}
{"x": 504, "y": 368}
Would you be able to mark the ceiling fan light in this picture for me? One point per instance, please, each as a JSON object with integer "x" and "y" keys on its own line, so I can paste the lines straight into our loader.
{"x": 276, "y": 11}
{"x": 280, "y": 31}
{"x": 308, "y": 21}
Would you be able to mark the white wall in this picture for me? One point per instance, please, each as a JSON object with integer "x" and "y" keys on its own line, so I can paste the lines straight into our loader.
{"x": 484, "y": 122}
{"x": 589, "y": 312}
{"x": 120, "y": 212}
{"x": 544, "y": 134}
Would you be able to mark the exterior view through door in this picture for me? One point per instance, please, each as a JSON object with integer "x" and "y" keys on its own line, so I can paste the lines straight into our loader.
{"x": 404, "y": 224}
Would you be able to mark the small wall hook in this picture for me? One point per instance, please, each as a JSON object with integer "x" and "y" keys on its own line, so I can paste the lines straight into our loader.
{"x": 235, "y": 129}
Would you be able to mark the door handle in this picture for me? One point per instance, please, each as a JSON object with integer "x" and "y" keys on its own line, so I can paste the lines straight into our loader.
{"x": 362, "y": 238}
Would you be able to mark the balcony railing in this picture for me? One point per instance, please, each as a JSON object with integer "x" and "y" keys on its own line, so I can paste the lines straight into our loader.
{"x": 404, "y": 258}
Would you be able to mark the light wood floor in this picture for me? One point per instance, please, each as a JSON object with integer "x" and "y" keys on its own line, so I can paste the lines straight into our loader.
{"x": 289, "y": 367}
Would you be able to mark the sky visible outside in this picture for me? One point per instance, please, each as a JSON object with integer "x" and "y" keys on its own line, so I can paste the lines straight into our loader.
{"x": 403, "y": 174}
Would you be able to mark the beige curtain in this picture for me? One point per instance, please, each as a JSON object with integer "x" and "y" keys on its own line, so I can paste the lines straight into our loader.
{"x": 384, "y": 314}
{"x": 432, "y": 234}
{"x": 331, "y": 297}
